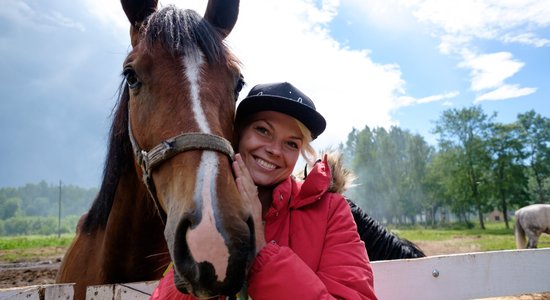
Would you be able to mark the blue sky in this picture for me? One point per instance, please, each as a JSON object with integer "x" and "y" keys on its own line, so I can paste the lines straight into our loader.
{"x": 364, "y": 62}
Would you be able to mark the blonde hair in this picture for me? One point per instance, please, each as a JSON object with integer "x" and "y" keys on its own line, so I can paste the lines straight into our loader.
{"x": 308, "y": 153}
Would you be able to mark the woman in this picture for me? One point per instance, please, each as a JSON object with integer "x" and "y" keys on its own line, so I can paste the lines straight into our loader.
{"x": 307, "y": 245}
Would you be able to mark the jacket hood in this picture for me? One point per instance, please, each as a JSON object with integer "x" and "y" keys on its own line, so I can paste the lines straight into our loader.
{"x": 327, "y": 175}
{"x": 341, "y": 178}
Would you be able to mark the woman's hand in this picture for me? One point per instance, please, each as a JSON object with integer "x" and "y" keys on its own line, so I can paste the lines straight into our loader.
{"x": 249, "y": 193}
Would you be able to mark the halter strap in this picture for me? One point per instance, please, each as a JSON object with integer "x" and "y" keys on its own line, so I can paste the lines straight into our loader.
{"x": 169, "y": 148}
{"x": 181, "y": 143}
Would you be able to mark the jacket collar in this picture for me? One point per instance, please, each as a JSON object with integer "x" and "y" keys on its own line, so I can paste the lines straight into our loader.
{"x": 304, "y": 193}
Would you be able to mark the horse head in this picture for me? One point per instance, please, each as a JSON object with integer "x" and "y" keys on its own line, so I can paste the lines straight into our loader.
{"x": 181, "y": 86}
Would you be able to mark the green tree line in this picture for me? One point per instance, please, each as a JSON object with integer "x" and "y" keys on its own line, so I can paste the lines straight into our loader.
{"x": 34, "y": 208}
{"x": 477, "y": 166}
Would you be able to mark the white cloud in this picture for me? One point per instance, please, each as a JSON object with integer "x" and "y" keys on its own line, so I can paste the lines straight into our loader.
{"x": 386, "y": 14}
{"x": 450, "y": 43}
{"x": 408, "y": 100}
{"x": 439, "y": 97}
{"x": 528, "y": 38}
{"x": 490, "y": 70}
{"x": 22, "y": 14}
{"x": 460, "y": 24}
{"x": 452, "y": 16}
{"x": 484, "y": 18}
{"x": 505, "y": 92}
{"x": 111, "y": 13}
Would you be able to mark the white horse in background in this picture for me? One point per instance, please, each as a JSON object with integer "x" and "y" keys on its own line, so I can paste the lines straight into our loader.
{"x": 532, "y": 220}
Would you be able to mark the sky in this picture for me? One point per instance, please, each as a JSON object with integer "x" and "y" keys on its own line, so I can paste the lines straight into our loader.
{"x": 376, "y": 63}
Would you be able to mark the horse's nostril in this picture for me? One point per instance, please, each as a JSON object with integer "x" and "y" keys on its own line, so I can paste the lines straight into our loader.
{"x": 208, "y": 261}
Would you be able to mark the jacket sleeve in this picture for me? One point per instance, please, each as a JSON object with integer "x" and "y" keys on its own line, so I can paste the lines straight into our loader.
{"x": 166, "y": 289}
{"x": 344, "y": 270}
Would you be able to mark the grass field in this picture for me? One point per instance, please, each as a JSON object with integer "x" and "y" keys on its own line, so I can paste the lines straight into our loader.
{"x": 494, "y": 237}
{"x": 33, "y": 248}
{"x": 34, "y": 241}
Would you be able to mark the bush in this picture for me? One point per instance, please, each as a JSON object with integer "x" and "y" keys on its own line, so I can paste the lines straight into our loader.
{"x": 37, "y": 225}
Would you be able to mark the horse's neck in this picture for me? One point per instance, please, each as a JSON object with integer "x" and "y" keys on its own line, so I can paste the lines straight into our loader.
{"x": 134, "y": 236}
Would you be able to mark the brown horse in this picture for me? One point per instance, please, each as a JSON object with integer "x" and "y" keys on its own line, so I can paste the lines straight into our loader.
{"x": 168, "y": 192}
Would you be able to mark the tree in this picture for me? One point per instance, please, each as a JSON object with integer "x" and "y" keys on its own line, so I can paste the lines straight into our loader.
{"x": 348, "y": 149}
{"x": 419, "y": 155}
{"x": 363, "y": 165}
{"x": 9, "y": 207}
{"x": 437, "y": 184}
{"x": 508, "y": 178}
{"x": 535, "y": 132}
{"x": 390, "y": 166}
{"x": 465, "y": 131}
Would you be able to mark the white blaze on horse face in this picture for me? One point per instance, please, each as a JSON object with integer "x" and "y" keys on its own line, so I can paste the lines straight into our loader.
{"x": 193, "y": 63}
{"x": 205, "y": 241}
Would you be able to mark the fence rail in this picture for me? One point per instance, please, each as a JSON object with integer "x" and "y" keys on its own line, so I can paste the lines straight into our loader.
{"x": 464, "y": 276}
{"x": 459, "y": 276}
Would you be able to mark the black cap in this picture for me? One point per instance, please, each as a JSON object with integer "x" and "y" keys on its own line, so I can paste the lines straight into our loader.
{"x": 285, "y": 98}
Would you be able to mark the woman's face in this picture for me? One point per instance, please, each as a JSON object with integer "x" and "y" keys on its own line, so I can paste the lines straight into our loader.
{"x": 270, "y": 146}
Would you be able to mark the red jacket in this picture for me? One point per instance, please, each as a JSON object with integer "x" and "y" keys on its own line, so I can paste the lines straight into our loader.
{"x": 313, "y": 251}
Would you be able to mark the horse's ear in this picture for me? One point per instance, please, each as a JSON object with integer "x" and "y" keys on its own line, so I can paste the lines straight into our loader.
{"x": 137, "y": 12}
{"x": 222, "y": 14}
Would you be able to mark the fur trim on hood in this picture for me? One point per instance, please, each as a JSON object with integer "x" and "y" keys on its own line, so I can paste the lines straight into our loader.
{"x": 342, "y": 178}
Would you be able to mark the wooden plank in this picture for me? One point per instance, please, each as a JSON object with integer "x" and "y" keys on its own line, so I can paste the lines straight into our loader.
{"x": 135, "y": 291}
{"x": 58, "y": 291}
{"x": 21, "y": 293}
{"x": 39, "y": 292}
{"x": 127, "y": 291}
{"x": 100, "y": 292}
{"x": 464, "y": 276}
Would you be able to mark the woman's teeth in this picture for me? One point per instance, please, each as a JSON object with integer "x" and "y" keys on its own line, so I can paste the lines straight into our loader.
{"x": 265, "y": 164}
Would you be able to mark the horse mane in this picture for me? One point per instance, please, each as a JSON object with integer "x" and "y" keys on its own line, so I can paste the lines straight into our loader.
{"x": 119, "y": 160}
{"x": 178, "y": 31}
{"x": 381, "y": 244}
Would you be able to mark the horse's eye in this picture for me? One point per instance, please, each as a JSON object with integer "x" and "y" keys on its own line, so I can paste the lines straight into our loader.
{"x": 131, "y": 78}
{"x": 239, "y": 86}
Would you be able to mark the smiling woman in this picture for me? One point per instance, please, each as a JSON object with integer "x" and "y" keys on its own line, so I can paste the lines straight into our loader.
{"x": 305, "y": 235}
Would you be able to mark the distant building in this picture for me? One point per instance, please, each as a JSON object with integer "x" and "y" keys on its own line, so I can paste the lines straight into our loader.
{"x": 495, "y": 215}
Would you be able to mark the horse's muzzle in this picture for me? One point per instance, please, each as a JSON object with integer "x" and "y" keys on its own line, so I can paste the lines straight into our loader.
{"x": 197, "y": 266}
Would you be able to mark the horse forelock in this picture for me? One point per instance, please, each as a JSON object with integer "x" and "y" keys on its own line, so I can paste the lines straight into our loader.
{"x": 184, "y": 32}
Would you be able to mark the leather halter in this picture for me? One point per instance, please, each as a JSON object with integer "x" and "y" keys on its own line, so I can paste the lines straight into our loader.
{"x": 168, "y": 148}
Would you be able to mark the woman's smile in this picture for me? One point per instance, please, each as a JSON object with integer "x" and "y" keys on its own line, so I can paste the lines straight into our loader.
{"x": 265, "y": 164}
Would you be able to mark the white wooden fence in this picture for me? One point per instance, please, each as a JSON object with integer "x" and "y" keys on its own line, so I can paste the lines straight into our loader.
{"x": 459, "y": 276}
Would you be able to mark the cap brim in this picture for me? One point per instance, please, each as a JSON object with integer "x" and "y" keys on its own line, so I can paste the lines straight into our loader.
{"x": 313, "y": 120}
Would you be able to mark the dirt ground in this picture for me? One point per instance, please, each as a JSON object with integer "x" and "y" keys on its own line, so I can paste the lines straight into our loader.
{"x": 41, "y": 265}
